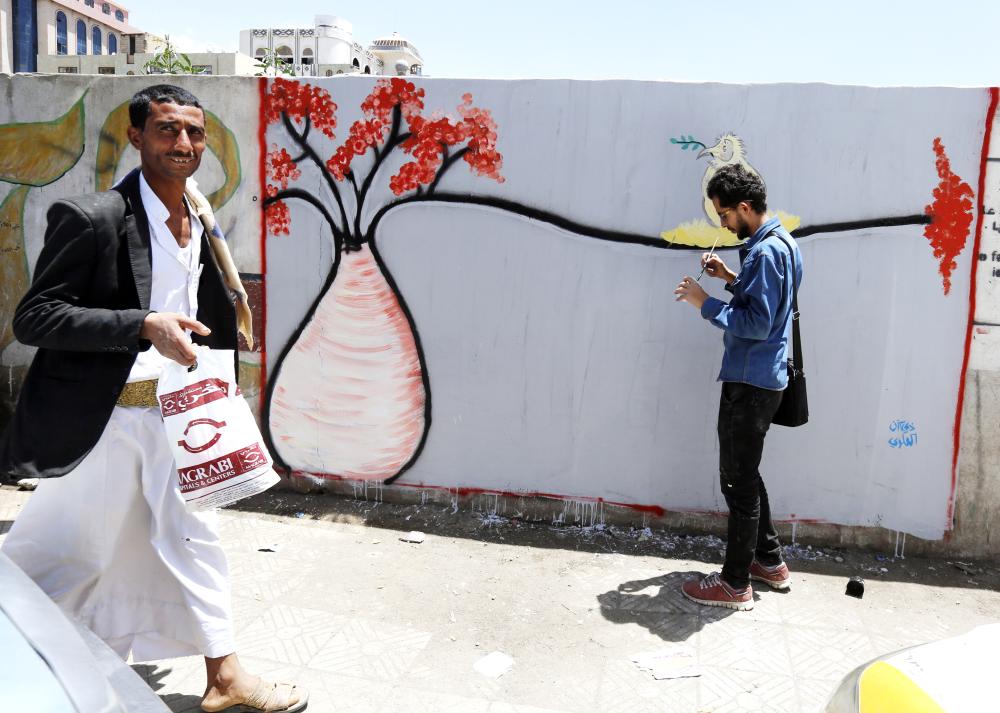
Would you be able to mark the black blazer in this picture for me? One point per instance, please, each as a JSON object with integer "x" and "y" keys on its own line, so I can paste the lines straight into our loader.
{"x": 84, "y": 310}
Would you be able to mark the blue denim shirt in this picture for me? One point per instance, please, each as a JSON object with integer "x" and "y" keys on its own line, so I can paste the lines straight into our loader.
{"x": 757, "y": 321}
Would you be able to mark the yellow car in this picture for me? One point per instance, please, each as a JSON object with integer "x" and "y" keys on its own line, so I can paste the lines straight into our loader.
{"x": 955, "y": 675}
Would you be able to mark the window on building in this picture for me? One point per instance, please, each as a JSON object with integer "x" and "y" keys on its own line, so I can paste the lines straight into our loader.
{"x": 356, "y": 63}
{"x": 112, "y": 44}
{"x": 261, "y": 51}
{"x": 106, "y": 9}
{"x": 69, "y": 70}
{"x": 368, "y": 70}
{"x": 88, "y": 3}
{"x": 307, "y": 56}
{"x": 285, "y": 54}
{"x": 120, "y": 16}
{"x": 329, "y": 72}
{"x": 81, "y": 37}
{"x": 62, "y": 46}
{"x": 105, "y": 70}
{"x": 95, "y": 40}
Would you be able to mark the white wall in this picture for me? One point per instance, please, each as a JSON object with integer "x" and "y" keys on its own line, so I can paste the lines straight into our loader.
{"x": 559, "y": 363}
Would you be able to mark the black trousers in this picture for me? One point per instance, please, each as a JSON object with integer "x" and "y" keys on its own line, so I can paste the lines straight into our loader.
{"x": 745, "y": 414}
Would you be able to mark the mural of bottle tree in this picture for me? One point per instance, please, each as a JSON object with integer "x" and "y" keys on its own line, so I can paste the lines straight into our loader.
{"x": 349, "y": 395}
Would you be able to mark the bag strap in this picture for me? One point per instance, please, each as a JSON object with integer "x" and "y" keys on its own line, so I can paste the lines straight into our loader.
{"x": 797, "y": 366}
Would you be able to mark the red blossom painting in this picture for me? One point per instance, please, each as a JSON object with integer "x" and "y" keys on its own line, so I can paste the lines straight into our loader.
{"x": 951, "y": 214}
{"x": 392, "y": 117}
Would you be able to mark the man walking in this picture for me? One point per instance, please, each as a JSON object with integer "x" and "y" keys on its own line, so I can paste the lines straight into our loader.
{"x": 123, "y": 277}
{"x": 757, "y": 323}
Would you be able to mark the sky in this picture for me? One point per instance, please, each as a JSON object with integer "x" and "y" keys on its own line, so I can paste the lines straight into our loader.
{"x": 877, "y": 42}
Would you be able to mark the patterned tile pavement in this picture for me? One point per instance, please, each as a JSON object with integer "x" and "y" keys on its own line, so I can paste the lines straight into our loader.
{"x": 371, "y": 624}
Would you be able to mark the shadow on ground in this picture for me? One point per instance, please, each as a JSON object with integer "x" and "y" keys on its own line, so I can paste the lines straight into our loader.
{"x": 177, "y": 702}
{"x": 447, "y": 521}
{"x": 665, "y": 612}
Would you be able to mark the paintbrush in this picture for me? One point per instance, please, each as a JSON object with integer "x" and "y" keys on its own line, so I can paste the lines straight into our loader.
{"x": 711, "y": 253}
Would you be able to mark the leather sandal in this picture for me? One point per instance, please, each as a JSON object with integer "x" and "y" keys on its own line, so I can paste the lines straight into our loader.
{"x": 269, "y": 697}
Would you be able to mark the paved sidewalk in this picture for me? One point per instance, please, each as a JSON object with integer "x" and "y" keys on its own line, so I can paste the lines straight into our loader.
{"x": 373, "y": 624}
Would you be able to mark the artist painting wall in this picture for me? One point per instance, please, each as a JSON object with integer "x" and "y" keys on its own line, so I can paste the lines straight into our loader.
{"x": 498, "y": 314}
{"x": 467, "y": 284}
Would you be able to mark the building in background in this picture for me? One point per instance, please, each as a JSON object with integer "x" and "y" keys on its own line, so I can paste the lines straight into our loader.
{"x": 39, "y": 29}
{"x": 226, "y": 63}
{"x": 329, "y": 48}
{"x": 88, "y": 37}
{"x": 95, "y": 37}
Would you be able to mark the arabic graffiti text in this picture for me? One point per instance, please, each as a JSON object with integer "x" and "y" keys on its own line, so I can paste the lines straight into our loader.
{"x": 904, "y": 434}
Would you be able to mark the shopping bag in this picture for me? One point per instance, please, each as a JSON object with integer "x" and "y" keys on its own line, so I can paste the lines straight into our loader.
{"x": 218, "y": 450}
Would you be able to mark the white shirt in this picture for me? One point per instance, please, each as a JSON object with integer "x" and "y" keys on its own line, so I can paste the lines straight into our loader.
{"x": 176, "y": 272}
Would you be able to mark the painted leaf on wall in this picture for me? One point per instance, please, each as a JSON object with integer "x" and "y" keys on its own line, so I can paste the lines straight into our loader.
{"x": 13, "y": 261}
{"x": 38, "y": 153}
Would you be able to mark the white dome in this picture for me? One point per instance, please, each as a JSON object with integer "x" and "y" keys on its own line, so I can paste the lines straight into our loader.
{"x": 394, "y": 37}
{"x": 394, "y": 43}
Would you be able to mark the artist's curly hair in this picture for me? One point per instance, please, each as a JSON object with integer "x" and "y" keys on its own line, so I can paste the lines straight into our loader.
{"x": 734, "y": 184}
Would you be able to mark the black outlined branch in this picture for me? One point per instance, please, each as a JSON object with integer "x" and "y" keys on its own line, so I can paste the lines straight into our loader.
{"x": 310, "y": 153}
{"x": 446, "y": 163}
{"x": 298, "y": 193}
{"x": 589, "y": 231}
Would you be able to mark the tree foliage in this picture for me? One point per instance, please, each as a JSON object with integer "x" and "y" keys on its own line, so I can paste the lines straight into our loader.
{"x": 169, "y": 61}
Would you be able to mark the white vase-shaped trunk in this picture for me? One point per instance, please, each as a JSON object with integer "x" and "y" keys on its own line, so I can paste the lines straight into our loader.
{"x": 348, "y": 398}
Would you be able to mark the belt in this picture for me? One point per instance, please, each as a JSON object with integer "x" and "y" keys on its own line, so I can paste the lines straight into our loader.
{"x": 139, "y": 394}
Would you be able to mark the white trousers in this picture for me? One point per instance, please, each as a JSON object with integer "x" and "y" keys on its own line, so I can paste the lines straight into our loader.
{"x": 113, "y": 544}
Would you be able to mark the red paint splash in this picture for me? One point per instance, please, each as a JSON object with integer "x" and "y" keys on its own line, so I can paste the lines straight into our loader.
{"x": 262, "y": 182}
{"x": 951, "y": 214}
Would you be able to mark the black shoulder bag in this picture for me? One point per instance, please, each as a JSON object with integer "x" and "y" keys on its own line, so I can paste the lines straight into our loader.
{"x": 794, "y": 407}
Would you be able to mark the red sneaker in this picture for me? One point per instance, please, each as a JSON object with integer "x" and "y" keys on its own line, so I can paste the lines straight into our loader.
{"x": 713, "y": 592}
{"x": 776, "y": 577}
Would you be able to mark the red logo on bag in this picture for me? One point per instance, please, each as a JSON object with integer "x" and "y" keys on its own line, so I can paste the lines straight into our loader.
{"x": 198, "y": 394}
{"x": 223, "y": 468}
{"x": 218, "y": 425}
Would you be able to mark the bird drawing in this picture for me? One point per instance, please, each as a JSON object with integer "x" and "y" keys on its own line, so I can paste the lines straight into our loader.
{"x": 728, "y": 150}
